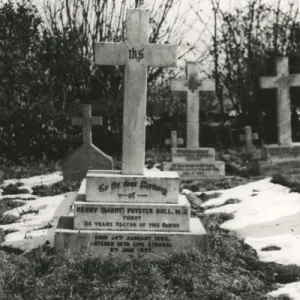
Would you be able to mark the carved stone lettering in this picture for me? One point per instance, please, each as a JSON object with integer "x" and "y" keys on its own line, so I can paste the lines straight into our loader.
{"x": 136, "y": 54}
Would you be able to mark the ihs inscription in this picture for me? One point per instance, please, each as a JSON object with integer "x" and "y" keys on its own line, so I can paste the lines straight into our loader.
{"x": 136, "y": 54}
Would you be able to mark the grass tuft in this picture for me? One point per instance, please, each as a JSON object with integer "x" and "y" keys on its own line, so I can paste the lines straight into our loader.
{"x": 271, "y": 248}
{"x": 56, "y": 189}
{"x": 13, "y": 189}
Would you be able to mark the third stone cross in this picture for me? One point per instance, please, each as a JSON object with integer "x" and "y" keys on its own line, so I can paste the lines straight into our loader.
{"x": 136, "y": 54}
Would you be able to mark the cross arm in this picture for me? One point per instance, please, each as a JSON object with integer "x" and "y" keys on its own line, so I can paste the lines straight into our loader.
{"x": 164, "y": 55}
{"x": 268, "y": 82}
{"x": 77, "y": 121}
{"x": 110, "y": 54}
{"x": 294, "y": 80}
{"x": 254, "y": 137}
{"x": 208, "y": 85}
{"x": 96, "y": 121}
{"x": 179, "y": 85}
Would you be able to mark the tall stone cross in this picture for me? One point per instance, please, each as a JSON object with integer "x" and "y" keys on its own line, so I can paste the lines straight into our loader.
{"x": 87, "y": 121}
{"x": 282, "y": 82}
{"x": 192, "y": 85}
{"x": 174, "y": 140}
{"x": 248, "y": 137}
{"x": 136, "y": 54}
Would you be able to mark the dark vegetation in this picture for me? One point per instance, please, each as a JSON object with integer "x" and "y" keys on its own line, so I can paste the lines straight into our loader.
{"x": 291, "y": 181}
{"x": 56, "y": 189}
{"x": 5, "y": 205}
{"x": 47, "y": 71}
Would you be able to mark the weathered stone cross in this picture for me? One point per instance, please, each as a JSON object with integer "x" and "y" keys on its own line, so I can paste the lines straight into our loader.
{"x": 136, "y": 54}
{"x": 282, "y": 82}
{"x": 248, "y": 137}
{"x": 86, "y": 122}
{"x": 192, "y": 85}
{"x": 174, "y": 140}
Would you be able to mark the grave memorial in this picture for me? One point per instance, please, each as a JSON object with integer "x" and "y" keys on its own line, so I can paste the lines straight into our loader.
{"x": 88, "y": 155}
{"x": 131, "y": 212}
{"x": 174, "y": 140}
{"x": 193, "y": 161}
{"x": 248, "y": 137}
{"x": 285, "y": 155}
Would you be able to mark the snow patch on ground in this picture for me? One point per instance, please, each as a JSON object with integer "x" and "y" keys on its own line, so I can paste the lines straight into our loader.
{"x": 28, "y": 183}
{"x": 264, "y": 210}
{"x": 38, "y": 217}
{"x": 288, "y": 254}
{"x": 29, "y": 231}
{"x": 291, "y": 289}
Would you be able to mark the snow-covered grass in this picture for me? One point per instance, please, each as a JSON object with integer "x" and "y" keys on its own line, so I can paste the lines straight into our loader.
{"x": 28, "y": 183}
{"x": 36, "y": 220}
{"x": 267, "y": 215}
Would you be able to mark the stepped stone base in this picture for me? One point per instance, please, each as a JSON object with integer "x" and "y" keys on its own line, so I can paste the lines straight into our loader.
{"x": 278, "y": 159}
{"x": 277, "y": 153}
{"x": 270, "y": 168}
{"x": 133, "y": 216}
{"x": 215, "y": 169}
{"x": 152, "y": 244}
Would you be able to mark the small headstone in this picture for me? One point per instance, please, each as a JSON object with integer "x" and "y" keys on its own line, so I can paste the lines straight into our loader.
{"x": 285, "y": 153}
{"x": 132, "y": 212}
{"x": 248, "y": 138}
{"x": 88, "y": 155}
{"x": 174, "y": 140}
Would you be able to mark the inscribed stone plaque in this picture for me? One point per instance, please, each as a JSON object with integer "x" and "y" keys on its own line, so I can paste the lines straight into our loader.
{"x": 152, "y": 187}
{"x": 130, "y": 243}
{"x": 270, "y": 168}
{"x": 200, "y": 154}
{"x": 197, "y": 169}
{"x": 282, "y": 153}
{"x": 133, "y": 216}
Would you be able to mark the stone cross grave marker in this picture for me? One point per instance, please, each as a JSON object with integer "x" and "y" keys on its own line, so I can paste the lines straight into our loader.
{"x": 192, "y": 85}
{"x": 248, "y": 137}
{"x": 86, "y": 121}
{"x": 282, "y": 82}
{"x": 174, "y": 140}
{"x": 136, "y": 54}
{"x": 88, "y": 155}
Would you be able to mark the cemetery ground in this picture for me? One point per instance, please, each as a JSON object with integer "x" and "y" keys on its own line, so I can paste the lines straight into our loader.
{"x": 231, "y": 269}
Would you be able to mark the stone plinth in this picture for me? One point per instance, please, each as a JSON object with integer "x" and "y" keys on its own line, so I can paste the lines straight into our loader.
{"x": 269, "y": 168}
{"x": 133, "y": 216}
{"x": 152, "y": 244}
{"x": 153, "y": 187}
{"x": 278, "y": 159}
{"x": 196, "y": 170}
{"x": 197, "y": 154}
{"x": 276, "y": 153}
